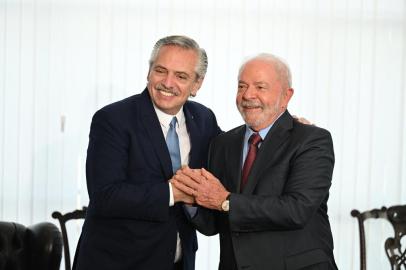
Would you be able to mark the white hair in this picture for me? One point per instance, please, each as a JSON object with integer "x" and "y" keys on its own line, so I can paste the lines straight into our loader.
{"x": 281, "y": 67}
{"x": 186, "y": 43}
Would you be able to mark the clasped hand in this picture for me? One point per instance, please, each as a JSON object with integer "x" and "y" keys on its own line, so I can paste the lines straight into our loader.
{"x": 203, "y": 186}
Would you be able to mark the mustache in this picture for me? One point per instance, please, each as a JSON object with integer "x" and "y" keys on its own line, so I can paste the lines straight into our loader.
{"x": 171, "y": 90}
{"x": 250, "y": 104}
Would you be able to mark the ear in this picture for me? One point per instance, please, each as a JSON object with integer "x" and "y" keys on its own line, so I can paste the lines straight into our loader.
{"x": 288, "y": 94}
{"x": 196, "y": 86}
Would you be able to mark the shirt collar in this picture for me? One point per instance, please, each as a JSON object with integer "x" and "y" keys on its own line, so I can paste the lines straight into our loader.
{"x": 165, "y": 119}
{"x": 263, "y": 132}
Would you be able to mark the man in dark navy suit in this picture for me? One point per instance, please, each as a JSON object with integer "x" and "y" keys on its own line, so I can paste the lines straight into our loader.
{"x": 136, "y": 218}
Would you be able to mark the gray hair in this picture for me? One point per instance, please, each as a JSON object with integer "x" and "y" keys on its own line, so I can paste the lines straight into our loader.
{"x": 281, "y": 67}
{"x": 186, "y": 43}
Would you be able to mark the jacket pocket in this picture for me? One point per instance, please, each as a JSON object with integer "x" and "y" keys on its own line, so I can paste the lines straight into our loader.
{"x": 298, "y": 261}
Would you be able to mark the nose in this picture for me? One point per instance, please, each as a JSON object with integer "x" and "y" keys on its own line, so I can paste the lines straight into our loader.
{"x": 168, "y": 81}
{"x": 249, "y": 93}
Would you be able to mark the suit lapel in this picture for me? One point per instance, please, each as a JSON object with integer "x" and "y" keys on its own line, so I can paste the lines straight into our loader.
{"x": 153, "y": 128}
{"x": 278, "y": 134}
{"x": 233, "y": 158}
{"x": 194, "y": 134}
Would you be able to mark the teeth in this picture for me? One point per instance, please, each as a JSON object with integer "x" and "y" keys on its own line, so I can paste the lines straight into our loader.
{"x": 167, "y": 94}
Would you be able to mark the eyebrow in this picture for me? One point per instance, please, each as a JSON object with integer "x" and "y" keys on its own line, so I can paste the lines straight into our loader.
{"x": 183, "y": 73}
{"x": 159, "y": 66}
{"x": 261, "y": 83}
{"x": 255, "y": 83}
{"x": 176, "y": 71}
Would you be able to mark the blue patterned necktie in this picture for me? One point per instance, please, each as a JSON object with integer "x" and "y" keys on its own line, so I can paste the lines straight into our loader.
{"x": 172, "y": 141}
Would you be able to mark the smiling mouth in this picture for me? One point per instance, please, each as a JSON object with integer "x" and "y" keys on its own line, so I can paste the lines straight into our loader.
{"x": 166, "y": 91}
{"x": 251, "y": 107}
{"x": 167, "y": 94}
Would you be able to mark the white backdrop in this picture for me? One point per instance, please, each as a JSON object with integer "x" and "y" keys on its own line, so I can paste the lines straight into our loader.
{"x": 61, "y": 60}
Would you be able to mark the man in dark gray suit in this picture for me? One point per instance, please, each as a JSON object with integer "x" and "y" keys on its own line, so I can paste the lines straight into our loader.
{"x": 269, "y": 184}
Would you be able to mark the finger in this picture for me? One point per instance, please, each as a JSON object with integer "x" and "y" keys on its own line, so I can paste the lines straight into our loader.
{"x": 184, "y": 168}
{"x": 195, "y": 174}
{"x": 187, "y": 181}
{"x": 180, "y": 171}
{"x": 185, "y": 189}
{"x": 207, "y": 174}
{"x": 304, "y": 121}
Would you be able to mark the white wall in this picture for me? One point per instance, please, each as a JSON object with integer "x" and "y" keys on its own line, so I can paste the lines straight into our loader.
{"x": 61, "y": 60}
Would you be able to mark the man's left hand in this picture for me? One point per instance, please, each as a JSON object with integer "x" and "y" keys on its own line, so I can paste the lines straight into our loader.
{"x": 205, "y": 187}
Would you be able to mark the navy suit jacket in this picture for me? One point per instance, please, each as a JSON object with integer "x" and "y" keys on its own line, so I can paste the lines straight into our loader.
{"x": 129, "y": 224}
{"x": 279, "y": 221}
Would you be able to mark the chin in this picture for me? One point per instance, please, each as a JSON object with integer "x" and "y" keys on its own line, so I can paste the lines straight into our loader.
{"x": 251, "y": 123}
{"x": 255, "y": 123}
{"x": 250, "y": 118}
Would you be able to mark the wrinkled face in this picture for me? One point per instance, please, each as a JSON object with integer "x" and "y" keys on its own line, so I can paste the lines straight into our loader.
{"x": 261, "y": 95}
{"x": 172, "y": 78}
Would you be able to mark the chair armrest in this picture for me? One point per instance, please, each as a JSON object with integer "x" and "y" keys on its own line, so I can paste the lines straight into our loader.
{"x": 45, "y": 241}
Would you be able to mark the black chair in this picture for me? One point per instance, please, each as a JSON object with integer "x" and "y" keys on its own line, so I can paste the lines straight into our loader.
{"x": 395, "y": 252}
{"x": 35, "y": 247}
{"x": 63, "y": 218}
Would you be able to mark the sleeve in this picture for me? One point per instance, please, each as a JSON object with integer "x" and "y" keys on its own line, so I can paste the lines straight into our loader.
{"x": 306, "y": 191}
{"x": 205, "y": 220}
{"x": 111, "y": 194}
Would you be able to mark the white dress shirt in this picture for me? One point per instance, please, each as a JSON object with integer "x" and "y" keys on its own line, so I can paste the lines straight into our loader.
{"x": 184, "y": 145}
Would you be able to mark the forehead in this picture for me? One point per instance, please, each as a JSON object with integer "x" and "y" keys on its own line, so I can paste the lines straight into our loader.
{"x": 258, "y": 70}
{"x": 176, "y": 58}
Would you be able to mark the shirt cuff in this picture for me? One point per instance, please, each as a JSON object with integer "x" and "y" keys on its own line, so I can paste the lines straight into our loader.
{"x": 171, "y": 199}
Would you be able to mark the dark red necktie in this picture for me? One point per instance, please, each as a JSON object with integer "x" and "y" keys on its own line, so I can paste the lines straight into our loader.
{"x": 253, "y": 142}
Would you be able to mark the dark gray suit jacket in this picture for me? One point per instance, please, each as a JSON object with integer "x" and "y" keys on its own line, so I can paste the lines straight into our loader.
{"x": 280, "y": 219}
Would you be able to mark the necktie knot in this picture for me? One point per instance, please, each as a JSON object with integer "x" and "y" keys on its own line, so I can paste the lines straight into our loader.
{"x": 255, "y": 139}
{"x": 172, "y": 124}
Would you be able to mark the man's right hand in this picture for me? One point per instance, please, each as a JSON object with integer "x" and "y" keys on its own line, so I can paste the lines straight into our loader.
{"x": 180, "y": 196}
